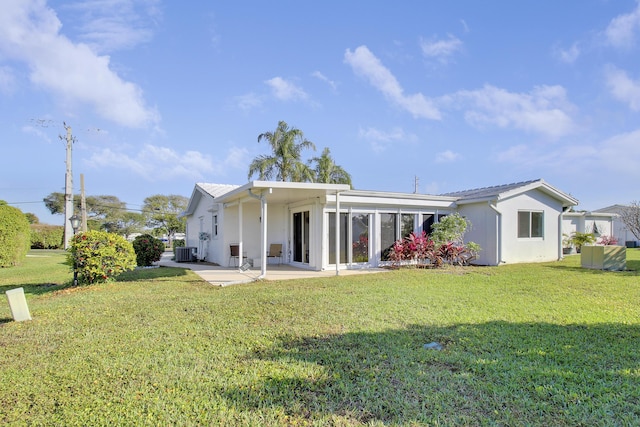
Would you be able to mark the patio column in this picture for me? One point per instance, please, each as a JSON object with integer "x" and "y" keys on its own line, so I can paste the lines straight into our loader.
{"x": 337, "y": 233}
{"x": 240, "y": 245}
{"x": 263, "y": 236}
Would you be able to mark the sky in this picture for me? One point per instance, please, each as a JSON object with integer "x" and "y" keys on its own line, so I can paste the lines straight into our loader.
{"x": 428, "y": 95}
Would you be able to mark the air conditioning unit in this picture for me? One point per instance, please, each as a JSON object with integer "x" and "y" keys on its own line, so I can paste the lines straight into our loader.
{"x": 186, "y": 254}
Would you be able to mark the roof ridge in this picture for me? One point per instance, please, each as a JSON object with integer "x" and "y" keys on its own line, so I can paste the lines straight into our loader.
{"x": 492, "y": 187}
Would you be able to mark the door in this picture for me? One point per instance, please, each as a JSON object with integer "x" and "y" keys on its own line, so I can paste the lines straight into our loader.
{"x": 301, "y": 237}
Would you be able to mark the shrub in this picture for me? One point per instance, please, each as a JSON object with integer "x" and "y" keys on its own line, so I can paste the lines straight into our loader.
{"x": 420, "y": 248}
{"x": 15, "y": 235}
{"x": 579, "y": 239}
{"x": 450, "y": 228}
{"x": 45, "y": 236}
{"x": 100, "y": 256}
{"x": 148, "y": 249}
{"x": 179, "y": 243}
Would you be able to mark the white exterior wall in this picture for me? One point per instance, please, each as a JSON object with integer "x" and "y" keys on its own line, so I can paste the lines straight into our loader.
{"x": 583, "y": 222}
{"x": 516, "y": 249}
{"x": 199, "y": 221}
{"x": 483, "y": 231}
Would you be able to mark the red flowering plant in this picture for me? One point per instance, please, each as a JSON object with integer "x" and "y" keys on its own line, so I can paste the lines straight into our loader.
{"x": 98, "y": 256}
{"x": 607, "y": 240}
{"x": 414, "y": 247}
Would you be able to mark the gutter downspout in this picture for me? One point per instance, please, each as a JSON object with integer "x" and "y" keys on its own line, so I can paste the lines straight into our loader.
{"x": 263, "y": 232}
{"x": 560, "y": 219}
{"x": 498, "y": 232}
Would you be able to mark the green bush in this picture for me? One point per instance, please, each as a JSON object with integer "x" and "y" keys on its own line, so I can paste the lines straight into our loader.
{"x": 15, "y": 235}
{"x": 100, "y": 256}
{"x": 44, "y": 236}
{"x": 148, "y": 249}
{"x": 179, "y": 243}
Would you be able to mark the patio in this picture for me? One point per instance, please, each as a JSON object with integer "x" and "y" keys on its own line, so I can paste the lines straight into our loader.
{"x": 225, "y": 276}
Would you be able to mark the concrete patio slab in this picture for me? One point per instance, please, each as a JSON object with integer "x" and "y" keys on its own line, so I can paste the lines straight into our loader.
{"x": 225, "y": 276}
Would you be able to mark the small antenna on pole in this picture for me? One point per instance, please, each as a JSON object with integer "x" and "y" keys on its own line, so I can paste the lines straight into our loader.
{"x": 416, "y": 184}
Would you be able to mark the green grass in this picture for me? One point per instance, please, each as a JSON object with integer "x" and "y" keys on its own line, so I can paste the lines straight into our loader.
{"x": 534, "y": 344}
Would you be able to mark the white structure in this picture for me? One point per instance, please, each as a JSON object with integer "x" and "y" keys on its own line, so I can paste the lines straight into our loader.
{"x": 512, "y": 223}
{"x": 619, "y": 230}
{"x": 598, "y": 223}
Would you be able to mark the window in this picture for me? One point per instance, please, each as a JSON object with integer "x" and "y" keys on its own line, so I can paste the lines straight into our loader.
{"x": 215, "y": 226}
{"x": 427, "y": 223}
{"x": 530, "y": 224}
{"x": 407, "y": 222}
{"x": 344, "y": 224}
{"x": 388, "y": 232}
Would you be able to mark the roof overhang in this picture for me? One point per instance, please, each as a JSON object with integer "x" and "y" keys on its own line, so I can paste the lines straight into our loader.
{"x": 540, "y": 185}
{"x": 280, "y": 192}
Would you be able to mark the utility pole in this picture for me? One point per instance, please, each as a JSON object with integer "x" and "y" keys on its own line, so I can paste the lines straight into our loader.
{"x": 68, "y": 190}
{"x": 83, "y": 205}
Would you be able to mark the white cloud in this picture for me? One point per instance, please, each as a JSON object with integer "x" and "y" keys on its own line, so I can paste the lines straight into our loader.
{"x": 146, "y": 163}
{"x": 544, "y": 110}
{"x": 31, "y": 130}
{"x": 447, "y": 156}
{"x": 285, "y": 90}
{"x": 320, "y": 76}
{"x": 108, "y": 25}
{"x": 623, "y": 88}
{"x": 248, "y": 101}
{"x": 30, "y": 33}
{"x": 621, "y": 154}
{"x": 7, "y": 80}
{"x": 618, "y": 154}
{"x": 569, "y": 55}
{"x": 365, "y": 64}
{"x": 441, "y": 49}
{"x": 621, "y": 31}
{"x": 381, "y": 140}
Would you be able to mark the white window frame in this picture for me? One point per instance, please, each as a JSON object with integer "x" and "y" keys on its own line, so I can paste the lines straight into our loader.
{"x": 529, "y": 233}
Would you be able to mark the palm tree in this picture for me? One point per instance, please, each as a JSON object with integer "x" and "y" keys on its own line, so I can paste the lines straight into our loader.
{"x": 327, "y": 172}
{"x": 285, "y": 162}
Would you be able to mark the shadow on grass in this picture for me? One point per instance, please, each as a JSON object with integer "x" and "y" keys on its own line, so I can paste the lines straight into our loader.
{"x": 142, "y": 274}
{"x": 36, "y": 288}
{"x": 493, "y": 373}
{"x": 128, "y": 276}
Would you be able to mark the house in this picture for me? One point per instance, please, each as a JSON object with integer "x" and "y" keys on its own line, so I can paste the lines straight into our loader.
{"x": 618, "y": 229}
{"x": 512, "y": 223}
{"x": 598, "y": 223}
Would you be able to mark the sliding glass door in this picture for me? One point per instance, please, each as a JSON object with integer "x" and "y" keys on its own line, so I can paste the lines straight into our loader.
{"x": 301, "y": 237}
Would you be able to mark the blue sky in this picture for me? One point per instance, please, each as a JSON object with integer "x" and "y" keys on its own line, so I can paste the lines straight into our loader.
{"x": 461, "y": 95}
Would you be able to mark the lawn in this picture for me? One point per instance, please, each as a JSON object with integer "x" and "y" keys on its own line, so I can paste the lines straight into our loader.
{"x": 532, "y": 344}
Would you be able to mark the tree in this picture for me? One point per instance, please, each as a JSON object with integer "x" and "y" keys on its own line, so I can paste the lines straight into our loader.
{"x": 162, "y": 213}
{"x": 126, "y": 224}
{"x": 326, "y": 170}
{"x": 32, "y": 218}
{"x": 102, "y": 211}
{"x": 630, "y": 217}
{"x": 285, "y": 163}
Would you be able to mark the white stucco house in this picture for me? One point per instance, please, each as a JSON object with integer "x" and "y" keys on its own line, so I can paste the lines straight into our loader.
{"x": 513, "y": 223}
{"x": 618, "y": 229}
